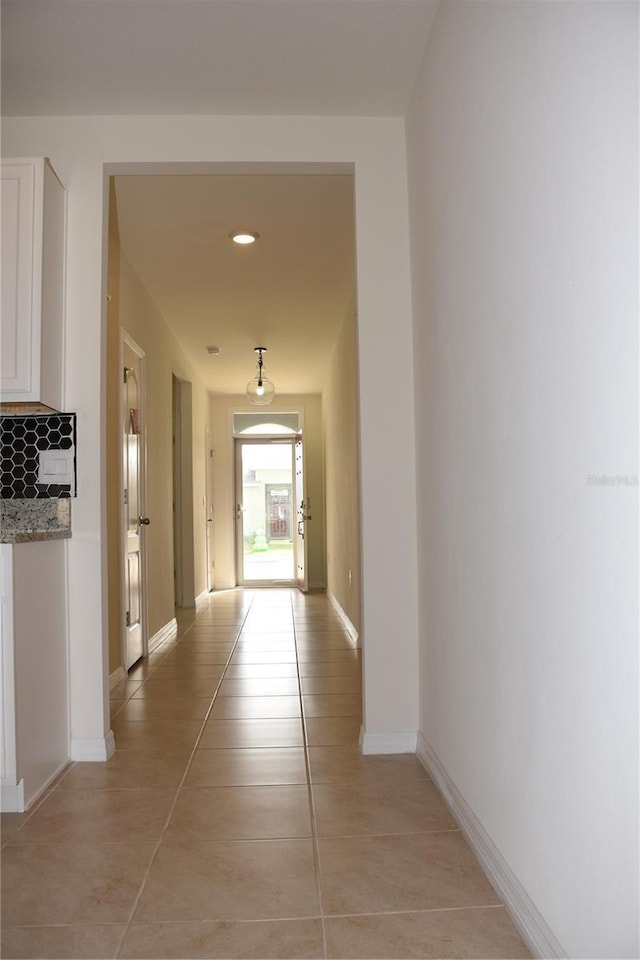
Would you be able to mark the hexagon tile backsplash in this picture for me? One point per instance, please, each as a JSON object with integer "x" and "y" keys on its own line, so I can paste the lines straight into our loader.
{"x": 22, "y": 441}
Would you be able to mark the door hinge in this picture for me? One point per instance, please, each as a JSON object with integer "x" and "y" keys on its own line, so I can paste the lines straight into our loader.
{"x": 125, "y": 497}
{"x": 128, "y": 619}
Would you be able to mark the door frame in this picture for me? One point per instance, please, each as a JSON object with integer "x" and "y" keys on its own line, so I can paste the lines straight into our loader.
{"x": 127, "y": 339}
{"x": 176, "y": 487}
{"x": 209, "y": 536}
{"x": 238, "y": 442}
{"x": 302, "y": 517}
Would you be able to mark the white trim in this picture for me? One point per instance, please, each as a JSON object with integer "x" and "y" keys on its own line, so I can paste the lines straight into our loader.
{"x": 12, "y": 798}
{"x": 318, "y": 585}
{"x": 200, "y": 599}
{"x": 128, "y": 342}
{"x": 116, "y": 677}
{"x": 375, "y": 743}
{"x": 165, "y": 633}
{"x": 531, "y": 924}
{"x": 183, "y": 485}
{"x": 8, "y": 735}
{"x": 176, "y": 481}
{"x": 12, "y": 795}
{"x": 208, "y": 511}
{"x": 93, "y": 749}
{"x": 349, "y": 627}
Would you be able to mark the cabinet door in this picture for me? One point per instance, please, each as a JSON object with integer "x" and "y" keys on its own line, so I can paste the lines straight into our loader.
{"x": 17, "y": 196}
{"x": 31, "y": 336}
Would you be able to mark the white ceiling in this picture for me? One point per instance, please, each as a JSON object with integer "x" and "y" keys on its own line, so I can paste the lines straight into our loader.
{"x": 291, "y": 291}
{"x": 287, "y": 57}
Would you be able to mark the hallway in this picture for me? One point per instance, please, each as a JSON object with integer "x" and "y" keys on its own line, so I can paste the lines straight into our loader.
{"x": 237, "y": 817}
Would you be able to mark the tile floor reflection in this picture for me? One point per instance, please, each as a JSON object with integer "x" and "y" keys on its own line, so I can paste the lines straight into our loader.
{"x": 238, "y": 818}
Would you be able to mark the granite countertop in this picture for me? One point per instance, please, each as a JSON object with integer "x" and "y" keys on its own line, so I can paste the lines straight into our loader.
{"x": 24, "y": 521}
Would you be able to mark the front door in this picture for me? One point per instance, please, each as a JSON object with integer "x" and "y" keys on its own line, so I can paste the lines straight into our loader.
{"x": 264, "y": 535}
{"x": 134, "y": 520}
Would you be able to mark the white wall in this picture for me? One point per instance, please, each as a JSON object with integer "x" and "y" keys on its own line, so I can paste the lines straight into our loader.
{"x": 79, "y": 148}
{"x": 40, "y": 663}
{"x": 342, "y": 474}
{"x": 523, "y": 160}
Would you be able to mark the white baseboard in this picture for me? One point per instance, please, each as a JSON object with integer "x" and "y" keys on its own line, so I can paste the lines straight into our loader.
{"x": 12, "y": 797}
{"x": 117, "y": 677}
{"x": 317, "y": 586}
{"x": 532, "y": 926}
{"x": 349, "y": 627}
{"x": 200, "y": 599}
{"x": 165, "y": 633}
{"x": 374, "y": 743}
{"x": 93, "y": 749}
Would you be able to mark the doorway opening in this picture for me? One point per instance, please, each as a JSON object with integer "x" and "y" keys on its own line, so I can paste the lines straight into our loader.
{"x": 311, "y": 291}
{"x": 265, "y": 545}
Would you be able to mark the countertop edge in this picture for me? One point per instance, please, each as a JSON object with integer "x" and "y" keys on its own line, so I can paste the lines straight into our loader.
{"x": 34, "y": 536}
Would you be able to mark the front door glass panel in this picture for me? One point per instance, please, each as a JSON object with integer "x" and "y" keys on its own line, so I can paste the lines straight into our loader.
{"x": 264, "y": 511}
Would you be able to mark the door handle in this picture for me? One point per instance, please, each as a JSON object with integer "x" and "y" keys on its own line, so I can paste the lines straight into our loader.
{"x": 144, "y": 521}
{"x": 239, "y": 511}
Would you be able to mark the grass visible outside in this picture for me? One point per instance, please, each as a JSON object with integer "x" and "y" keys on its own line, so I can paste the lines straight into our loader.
{"x": 275, "y": 563}
{"x": 272, "y": 546}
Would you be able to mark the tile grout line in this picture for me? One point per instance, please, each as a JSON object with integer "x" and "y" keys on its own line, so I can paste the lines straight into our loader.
{"x": 312, "y": 809}
{"x": 46, "y": 793}
{"x": 176, "y": 647}
{"x": 177, "y": 640}
{"x": 404, "y": 913}
{"x": 156, "y": 849}
{"x": 132, "y": 926}
{"x": 59, "y": 779}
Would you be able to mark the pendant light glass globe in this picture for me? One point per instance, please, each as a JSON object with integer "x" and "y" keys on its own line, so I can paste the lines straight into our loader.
{"x": 260, "y": 390}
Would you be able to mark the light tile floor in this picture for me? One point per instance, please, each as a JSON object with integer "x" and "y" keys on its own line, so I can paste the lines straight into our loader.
{"x": 237, "y": 817}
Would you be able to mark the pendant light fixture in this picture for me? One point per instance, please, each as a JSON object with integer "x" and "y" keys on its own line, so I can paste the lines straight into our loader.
{"x": 260, "y": 390}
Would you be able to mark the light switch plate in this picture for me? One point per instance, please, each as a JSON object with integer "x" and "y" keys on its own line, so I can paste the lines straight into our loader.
{"x": 56, "y": 466}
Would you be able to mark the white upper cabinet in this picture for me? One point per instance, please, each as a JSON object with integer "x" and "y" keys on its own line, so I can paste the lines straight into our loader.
{"x": 33, "y": 236}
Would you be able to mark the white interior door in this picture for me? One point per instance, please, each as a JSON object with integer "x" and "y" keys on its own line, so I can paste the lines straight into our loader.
{"x": 303, "y": 516}
{"x": 134, "y": 519}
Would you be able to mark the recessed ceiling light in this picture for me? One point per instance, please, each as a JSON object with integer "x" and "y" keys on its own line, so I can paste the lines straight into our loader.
{"x": 213, "y": 351}
{"x": 244, "y": 237}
